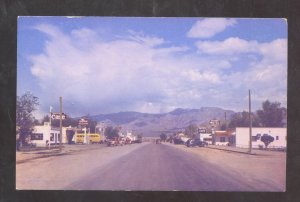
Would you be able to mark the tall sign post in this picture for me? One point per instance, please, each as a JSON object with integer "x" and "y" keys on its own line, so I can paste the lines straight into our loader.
{"x": 250, "y": 123}
{"x": 83, "y": 123}
{"x": 50, "y": 120}
{"x": 60, "y": 122}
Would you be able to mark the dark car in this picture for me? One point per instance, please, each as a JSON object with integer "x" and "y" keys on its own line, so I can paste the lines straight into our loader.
{"x": 196, "y": 142}
{"x": 178, "y": 141}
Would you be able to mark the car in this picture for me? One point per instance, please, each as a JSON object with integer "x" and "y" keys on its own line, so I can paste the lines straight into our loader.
{"x": 111, "y": 142}
{"x": 121, "y": 141}
{"x": 196, "y": 142}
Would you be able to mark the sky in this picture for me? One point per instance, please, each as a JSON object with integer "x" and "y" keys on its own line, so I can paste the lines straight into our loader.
{"x": 102, "y": 65}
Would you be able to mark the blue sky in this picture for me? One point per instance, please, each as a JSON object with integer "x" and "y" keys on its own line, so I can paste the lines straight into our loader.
{"x": 154, "y": 65}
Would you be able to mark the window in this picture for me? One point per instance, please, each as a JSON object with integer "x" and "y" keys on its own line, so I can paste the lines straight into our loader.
{"x": 51, "y": 136}
{"x": 277, "y": 137}
{"x": 36, "y": 136}
{"x": 254, "y": 138}
{"x": 222, "y": 139}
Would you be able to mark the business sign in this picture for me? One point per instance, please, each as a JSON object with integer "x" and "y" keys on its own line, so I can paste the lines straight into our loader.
{"x": 56, "y": 116}
{"x": 83, "y": 122}
{"x": 201, "y": 130}
{"x": 214, "y": 122}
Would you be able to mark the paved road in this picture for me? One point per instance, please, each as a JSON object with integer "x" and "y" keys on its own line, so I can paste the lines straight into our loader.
{"x": 161, "y": 167}
{"x": 145, "y": 166}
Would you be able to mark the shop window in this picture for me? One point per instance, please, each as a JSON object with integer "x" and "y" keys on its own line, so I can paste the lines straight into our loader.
{"x": 36, "y": 136}
{"x": 51, "y": 136}
{"x": 222, "y": 139}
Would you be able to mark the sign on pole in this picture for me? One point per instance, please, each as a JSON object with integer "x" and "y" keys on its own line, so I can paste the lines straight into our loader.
{"x": 56, "y": 116}
{"x": 83, "y": 122}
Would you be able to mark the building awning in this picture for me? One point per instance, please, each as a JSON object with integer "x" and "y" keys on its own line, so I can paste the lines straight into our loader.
{"x": 224, "y": 133}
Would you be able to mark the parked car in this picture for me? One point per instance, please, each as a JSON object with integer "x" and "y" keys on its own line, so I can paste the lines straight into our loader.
{"x": 127, "y": 140}
{"x": 111, "y": 142}
{"x": 121, "y": 141}
{"x": 178, "y": 141}
{"x": 196, "y": 142}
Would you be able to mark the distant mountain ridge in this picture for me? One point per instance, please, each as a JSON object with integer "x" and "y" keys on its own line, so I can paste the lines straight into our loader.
{"x": 155, "y": 124}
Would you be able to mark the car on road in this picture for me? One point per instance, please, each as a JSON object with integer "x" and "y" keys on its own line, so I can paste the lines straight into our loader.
{"x": 111, "y": 142}
{"x": 196, "y": 142}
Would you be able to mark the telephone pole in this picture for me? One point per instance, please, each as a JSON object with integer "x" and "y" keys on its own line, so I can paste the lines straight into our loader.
{"x": 225, "y": 122}
{"x": 60, "y": 122}
{"x": 250, "y": 123}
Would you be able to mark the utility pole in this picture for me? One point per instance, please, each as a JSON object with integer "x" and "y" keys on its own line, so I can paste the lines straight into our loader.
{"x": 250, "y": 123}
{"x": 50, "y": 120}
{"x": 225, "y": 122}
{"x": 60, "y": 122}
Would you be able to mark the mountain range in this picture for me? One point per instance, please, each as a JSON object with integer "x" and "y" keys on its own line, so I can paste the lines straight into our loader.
{"x": 155, "y": 124}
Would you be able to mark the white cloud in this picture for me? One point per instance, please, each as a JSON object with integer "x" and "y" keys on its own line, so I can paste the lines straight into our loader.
{"x": 210, "y": 27}
{"x": 275, "y": 50}
{"x": 229, "y": 46}
{"x": 111, "y": 75}
{"x": 265, "y": 73}
{"x": 145, "y": 73}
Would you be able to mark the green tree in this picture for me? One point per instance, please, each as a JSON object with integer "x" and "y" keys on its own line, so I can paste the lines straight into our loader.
{"x": 267, "y": 139}
{"x": 140, "y": 138}
{"x": 191, "y": 131}
{"x": 223, "y": 126}
{"x": 241, "y": 119}
{"x": 111, "y": 132}
{"x": 163, "y": 137}
{"x": 271, "y": 114}
{"x": 45, "y": 119}
{"x": 26, "y": 105}
{"x": 92, "y": 125}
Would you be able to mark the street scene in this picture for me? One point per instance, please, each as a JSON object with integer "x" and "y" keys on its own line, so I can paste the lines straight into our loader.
{"x": 151, "y": 166}
{"x": 151, "y": 104}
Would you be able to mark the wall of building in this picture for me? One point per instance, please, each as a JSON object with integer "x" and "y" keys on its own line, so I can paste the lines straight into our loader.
{"x": 222, "y": 140}
{"x": 50, "y": 134}
{"x": 242, "y": 137}
{"x": 207, "y": 137}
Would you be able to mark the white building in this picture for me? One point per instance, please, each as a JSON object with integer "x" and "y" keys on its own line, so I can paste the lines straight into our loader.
{"x": 223, "y": 138}
{"x": 242, "y": 137}
{"x": 44, "y": 134}
{"x": 206, "y": 137}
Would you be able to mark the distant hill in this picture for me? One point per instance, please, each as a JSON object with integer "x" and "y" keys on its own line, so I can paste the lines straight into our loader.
{"x": 155, "y": 124}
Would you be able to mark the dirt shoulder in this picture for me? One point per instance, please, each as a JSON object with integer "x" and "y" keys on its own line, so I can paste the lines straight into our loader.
{"x": 264, "y": 166}
{"x": 24, "y": 156}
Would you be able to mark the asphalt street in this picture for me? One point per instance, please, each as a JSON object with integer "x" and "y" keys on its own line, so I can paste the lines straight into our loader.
{"x": 162, "y": 167}
{"x": 150, "y": 167}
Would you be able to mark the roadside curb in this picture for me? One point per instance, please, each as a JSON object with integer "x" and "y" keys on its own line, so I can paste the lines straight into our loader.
{"x": 53, "y": 153}
{"x": 42, "y": 156}
{"x": 234, "y": 151}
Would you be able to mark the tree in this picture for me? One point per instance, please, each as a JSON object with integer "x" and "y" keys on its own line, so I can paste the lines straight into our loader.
{"x": 241, "y": 119}
{"x": 26, "y": 105}
{"x": 191, "y": 131}
{"x": 45, "y": 119}
{"x": 267, "y": 139}
{"x": 271, "y": 114}
{"x": 92, "y": 125}
{"x": 111, "y": 132}
{"x": 139, "y": 138}
{"x": 163, "y": 137}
